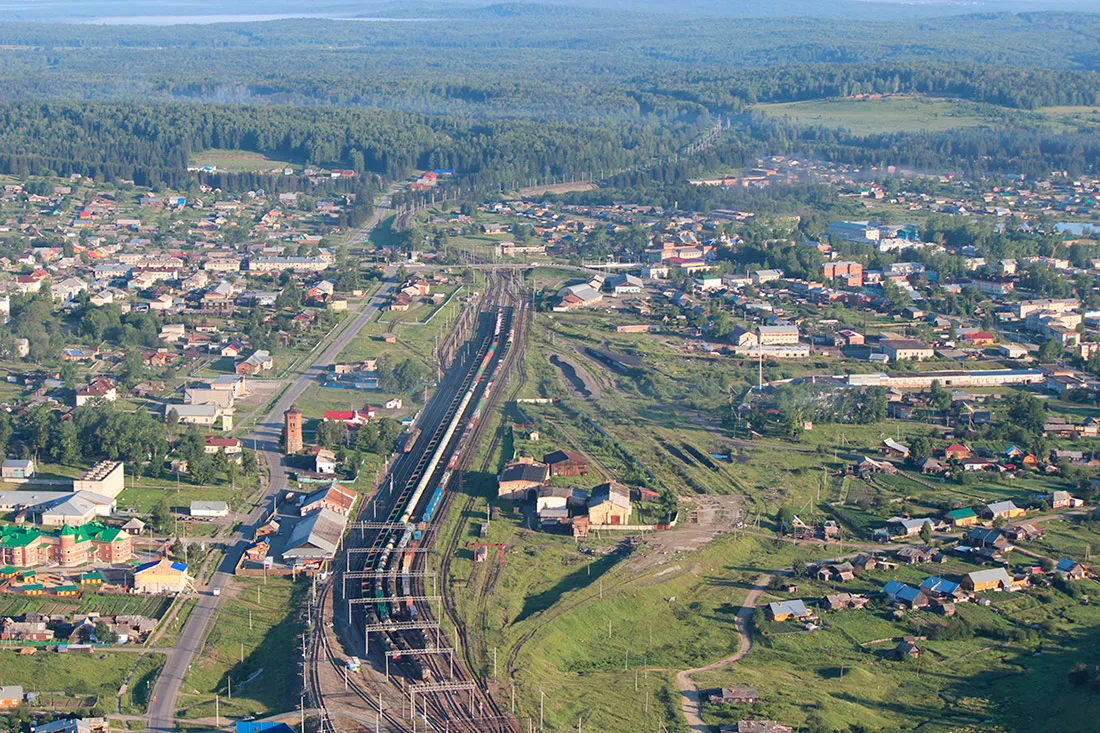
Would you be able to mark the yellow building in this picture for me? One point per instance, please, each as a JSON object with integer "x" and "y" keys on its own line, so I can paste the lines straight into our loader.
{"x": 609, "y": 504}
{"x": 161, "y": 576}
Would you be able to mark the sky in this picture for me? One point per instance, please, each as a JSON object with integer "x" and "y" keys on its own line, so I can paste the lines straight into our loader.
{"x": 161, "y": 11}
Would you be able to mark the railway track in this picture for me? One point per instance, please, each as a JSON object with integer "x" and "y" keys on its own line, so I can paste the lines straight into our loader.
{"x": 487, "y": 718}
{"x": 497, "y": 720}
{"x": 465, "y": 707}
{"x": 322, "y": 654}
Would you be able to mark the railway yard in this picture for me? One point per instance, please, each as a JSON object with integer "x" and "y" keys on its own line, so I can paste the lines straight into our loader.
{"x": 381, "y": 603}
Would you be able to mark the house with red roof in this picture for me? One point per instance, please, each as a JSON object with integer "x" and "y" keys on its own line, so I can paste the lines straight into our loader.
{"x": 957, "y": 451}
{"x": 351, "y": 418}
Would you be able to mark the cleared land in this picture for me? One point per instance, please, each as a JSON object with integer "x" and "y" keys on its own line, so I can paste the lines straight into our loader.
{"x": 239, "y": 161}
{"x": 886, "y": 114}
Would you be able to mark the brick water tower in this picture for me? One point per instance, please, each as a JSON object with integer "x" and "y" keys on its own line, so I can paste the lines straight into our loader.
{"x": 292, "y": 430}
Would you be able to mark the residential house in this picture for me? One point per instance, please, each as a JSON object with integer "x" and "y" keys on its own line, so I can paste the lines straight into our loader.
{"x": 260, "y": 361}
{"x": 843, "y": 601}
{"x": 783, "y": 610}
{"x": 915, "y": 555}
{"x": 931, "y": 465}
{"x": 1002, "y": 510}
{"x": 833, "y": 572}
{"x": 736, "y": 695}
{"x": 956, "y": 451}
{"x": 1022, "y": 532}
{"x": 99, "y": 388}
{"x": 894, "y": 449}
{"x": 756, "y": 726}
{"x": 1070, "y": 569}
{"x": 1061, "y": 500}
{"x": 939, "y": 588}
{"x": 908, "y": 527}
{"x": 980, "y": 581}
{"x": 964, "y": 517}
{"x": 905, "y": 595}
{"x": 983, "y": 537}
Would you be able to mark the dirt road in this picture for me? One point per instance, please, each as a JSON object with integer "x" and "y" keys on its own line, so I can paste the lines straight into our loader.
{"x": 690, "y": 701}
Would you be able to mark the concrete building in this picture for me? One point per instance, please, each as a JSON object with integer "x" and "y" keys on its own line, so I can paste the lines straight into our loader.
{"x": 333, "y": 497}
{"x": 314, "y": 538}
{"x": 848, "y": 273}
{"x": 923, "y": 380}
{"x": 905, "y": 349}
{"x": 199, "y": 396}
{"x": 609, "y": 504}
{"x": 209, "y": 509}
{"x": 206, "y": 416}
{"x": 106, "y": 478}
{"x": 17, "y": 468}
{"x": 777, "y": 335}
{"x": 24, "y": 547}
{"x": 11, "y": 696}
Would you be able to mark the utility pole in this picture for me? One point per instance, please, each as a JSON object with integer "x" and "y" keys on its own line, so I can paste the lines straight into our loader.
{"x": 542, "y": 698}
{"x": 217, "y": 713}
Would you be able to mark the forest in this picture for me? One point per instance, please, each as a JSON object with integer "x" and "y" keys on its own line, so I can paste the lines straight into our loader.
{"x": 512, "y": 94}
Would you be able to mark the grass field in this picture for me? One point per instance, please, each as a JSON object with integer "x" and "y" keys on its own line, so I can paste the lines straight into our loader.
{"x": 828, "y": 678}
{"x": 97, "y": 676}
{"x": 889, "y": 114}
{"x": 260, "y": 660}
{"x": 239, "y": 161}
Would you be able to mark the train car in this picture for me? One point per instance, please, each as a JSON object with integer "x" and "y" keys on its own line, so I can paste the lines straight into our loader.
{"x": 410, "y": 440}
{"x": 433, "y": 505}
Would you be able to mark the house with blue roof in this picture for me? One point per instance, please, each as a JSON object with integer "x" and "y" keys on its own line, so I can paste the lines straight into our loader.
{"x": 939, "y": 587}
{"x": 161, "y": 576}
{"x": 1070, "y": 569}
{"x": 905, "y": 595}
{"x": 783, "y": 610}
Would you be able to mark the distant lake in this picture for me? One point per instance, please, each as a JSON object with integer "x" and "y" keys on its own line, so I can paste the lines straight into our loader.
{"x": 234, "y": 18}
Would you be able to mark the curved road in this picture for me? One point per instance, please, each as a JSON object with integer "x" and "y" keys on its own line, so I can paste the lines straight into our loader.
{"x": 267, "y": 437}
{"x": 690, "y": 701}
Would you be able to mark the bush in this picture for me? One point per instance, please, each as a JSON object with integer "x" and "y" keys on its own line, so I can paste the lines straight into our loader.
{"x": 955, "y": 629}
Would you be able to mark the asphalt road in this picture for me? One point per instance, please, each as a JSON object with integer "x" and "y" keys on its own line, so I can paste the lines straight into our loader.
{"x": 267, "y": 437}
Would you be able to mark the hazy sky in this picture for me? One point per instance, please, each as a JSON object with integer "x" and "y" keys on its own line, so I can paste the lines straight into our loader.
{"x": 207, "y": 10}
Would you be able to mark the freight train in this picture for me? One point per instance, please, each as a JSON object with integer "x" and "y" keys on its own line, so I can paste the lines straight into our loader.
{"x": 399, "y": 546}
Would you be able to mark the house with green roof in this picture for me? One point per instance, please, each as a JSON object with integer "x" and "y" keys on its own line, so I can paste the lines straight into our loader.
{"x": 68, "y": 546}
{"x": 965, "y": 517}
